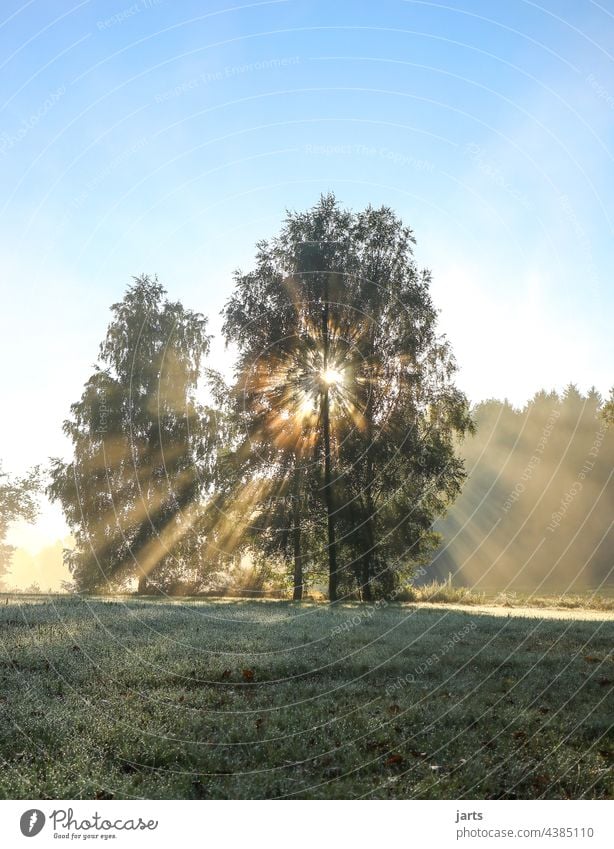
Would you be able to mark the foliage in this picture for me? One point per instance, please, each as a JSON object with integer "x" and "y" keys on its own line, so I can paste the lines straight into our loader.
{"x": 18, "y": 500}
{"x": 335, "y": 328}
{"x": 143, "y": 450}
{"x": 535, "y": 513}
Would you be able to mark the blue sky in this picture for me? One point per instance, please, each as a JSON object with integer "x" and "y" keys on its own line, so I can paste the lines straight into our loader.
{"x": 168, "y": 137}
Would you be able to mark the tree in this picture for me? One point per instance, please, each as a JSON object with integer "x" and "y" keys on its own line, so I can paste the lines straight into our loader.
{"x": 342, "y": 376}
{"x": 608, "y": 409}
{"x": 535, "y": 514}
{"x": 18, "y": 500}
{"x": 143, "y": 450}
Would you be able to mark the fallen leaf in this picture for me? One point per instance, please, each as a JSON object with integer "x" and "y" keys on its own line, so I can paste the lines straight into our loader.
{"x": 394, "y": 759}
{"x": 248, "y": 674}
{"x": 542, "y": 782}
{"x": 394, "y": 709}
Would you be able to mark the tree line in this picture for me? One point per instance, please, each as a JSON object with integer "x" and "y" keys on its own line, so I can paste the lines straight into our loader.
{"x": 536, "y": 509}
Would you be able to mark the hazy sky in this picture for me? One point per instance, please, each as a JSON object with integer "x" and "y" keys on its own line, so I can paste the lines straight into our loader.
{"x": 168, "y": 137}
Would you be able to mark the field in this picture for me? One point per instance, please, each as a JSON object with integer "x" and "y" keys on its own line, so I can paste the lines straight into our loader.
{"x": 231, "y": 699}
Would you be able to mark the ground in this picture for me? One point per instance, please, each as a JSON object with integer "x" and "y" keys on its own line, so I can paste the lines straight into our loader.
{"x": 232, "y": 699}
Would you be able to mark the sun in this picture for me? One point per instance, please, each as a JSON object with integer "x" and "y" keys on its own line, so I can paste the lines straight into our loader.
{"x": 332, "y": 377}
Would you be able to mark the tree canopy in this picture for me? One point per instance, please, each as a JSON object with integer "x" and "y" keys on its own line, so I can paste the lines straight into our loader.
{"x": 344, "y": 387}
{"x": 536, "y": 509}
{"x": 142, "y": 449}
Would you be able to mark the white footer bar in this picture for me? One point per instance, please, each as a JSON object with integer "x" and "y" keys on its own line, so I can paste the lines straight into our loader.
{"x": 308, "y": 825}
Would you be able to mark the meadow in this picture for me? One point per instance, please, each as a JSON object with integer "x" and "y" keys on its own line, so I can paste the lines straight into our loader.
{"x": 268, "y": 699}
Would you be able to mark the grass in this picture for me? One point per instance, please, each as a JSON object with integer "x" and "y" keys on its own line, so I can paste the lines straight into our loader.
{"x": 231, "y": 699}
{"x": 446, "y": 593}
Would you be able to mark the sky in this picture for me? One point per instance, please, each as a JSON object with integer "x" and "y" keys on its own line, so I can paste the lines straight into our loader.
{"x": 168, "y": 137}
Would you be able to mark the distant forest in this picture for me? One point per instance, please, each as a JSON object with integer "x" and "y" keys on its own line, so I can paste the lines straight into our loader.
{"x": 536, "y": 510}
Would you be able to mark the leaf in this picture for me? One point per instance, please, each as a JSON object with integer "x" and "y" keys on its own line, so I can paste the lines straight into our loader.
{"x": 226, "y": 674}
{"x": 542, "y": 781}
{"x": 248, "y": 674}
{"x": 394, "y": 709}
{"x": 394, "y": 759}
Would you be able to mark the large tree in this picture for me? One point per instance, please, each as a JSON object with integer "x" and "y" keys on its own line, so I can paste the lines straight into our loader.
{"x": 344, "y": 386}
{"x": 143, "y": 450}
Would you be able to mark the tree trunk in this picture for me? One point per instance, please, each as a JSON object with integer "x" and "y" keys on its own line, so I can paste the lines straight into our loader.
{"x": 366, "y": 591}
{"x": 330, "y": 508}
{"x": 142, "y": 587}
{"x": 328, "y": 492}
{"x": 296, "y": 537}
